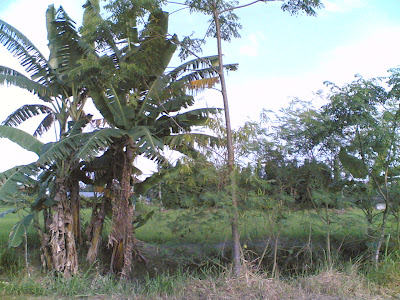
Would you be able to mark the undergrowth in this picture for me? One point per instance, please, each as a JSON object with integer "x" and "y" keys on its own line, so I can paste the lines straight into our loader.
{"x": 326, "y": 284}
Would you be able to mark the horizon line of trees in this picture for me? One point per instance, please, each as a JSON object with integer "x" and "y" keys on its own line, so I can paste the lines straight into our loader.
{"x": 345, "y": 151}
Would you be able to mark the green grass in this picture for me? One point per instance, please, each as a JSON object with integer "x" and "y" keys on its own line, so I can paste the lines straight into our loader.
{"x": 212, "y": 226}
{"x": 7, "y": 222}
{"x": 182, "y": 229}
{"x": 329, "y": 284}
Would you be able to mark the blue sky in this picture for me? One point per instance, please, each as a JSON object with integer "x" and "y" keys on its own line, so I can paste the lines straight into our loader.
{"x": 279, "y": 56}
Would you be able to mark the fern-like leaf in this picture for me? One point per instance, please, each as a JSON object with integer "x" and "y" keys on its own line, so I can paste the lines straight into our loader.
{"x": 26, "y": 112}
{"x": 20, "y": 46}
{"x": 16, "y": 178}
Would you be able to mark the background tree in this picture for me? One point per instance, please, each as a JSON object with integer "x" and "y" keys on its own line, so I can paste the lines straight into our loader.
{"x": 366, "y": 117}
{"x": 130, "y": 88}
{"x": 223, "y": 27}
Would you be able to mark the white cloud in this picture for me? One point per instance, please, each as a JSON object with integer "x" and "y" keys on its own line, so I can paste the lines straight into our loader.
{"x": 370, "y": 56}
{"x": 344, "y": 5}
{"x": 251, "y": 48}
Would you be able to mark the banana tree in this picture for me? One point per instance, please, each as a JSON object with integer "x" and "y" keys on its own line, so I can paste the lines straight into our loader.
{"x": 63, "y": 96}
{"x": 39, "y": 178}
{"x": 130, "y": 87}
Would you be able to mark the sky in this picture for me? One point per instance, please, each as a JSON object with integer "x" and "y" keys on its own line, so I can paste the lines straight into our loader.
{"x": 280, "y": 56}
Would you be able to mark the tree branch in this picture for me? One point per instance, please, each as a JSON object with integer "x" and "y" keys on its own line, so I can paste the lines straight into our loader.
{"x": 245, "y": 5}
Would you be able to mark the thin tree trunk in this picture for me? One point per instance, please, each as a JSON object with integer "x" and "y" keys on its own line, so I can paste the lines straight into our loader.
{"x": 275, "y": 270}
{"x": 328, "y": 238}
{"x": 381, "y": 237}
{"x": 231, "y": 155}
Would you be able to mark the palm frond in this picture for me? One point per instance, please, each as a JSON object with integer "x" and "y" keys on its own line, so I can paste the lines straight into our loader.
{"x": 79, "y": 146}
{"x": 207, "y": 62}
{"x": 20, "y": 137}
{"x": 16, "y": 179}
{"x": 20, "y": 46}
{"x": 193, "y": 144}
{"x": 185, "y": 121}
{"x": 176, "y": 103}
{"x": 146, "y": 140}
{"x": 61, "y": 150}
{"x": 202, "y": 84}
{"x": 116, "y": 107}
{"x": 191, "y": 139}
{"x": 96, "y": 30}
{"x": 198, "y": 74}
{"x": 100, "y": 101}
{"x": 96, "y": 141}
{"x": 155, "y": 50}
{"x": 26, "y": 112}
{"x": 45, "y": 125}
{"x": 205, "y": 73}
{"x": 9, "y": 76}
{"x": 147, "y": 107}
{"x": 68, "y": 44}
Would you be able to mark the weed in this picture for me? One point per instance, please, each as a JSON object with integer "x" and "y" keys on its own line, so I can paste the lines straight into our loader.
{"x": 26, "y": 286}
{"x": 11, "y": 262}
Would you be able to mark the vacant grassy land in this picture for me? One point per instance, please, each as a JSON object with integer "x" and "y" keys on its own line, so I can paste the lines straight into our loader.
{"x": 199, "y": 226}
{"x": 188, "y": 253}
{"x": 212, "y": 226}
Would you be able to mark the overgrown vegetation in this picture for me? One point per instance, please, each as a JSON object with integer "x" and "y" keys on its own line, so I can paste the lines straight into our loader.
{"x": 301, "y": 189}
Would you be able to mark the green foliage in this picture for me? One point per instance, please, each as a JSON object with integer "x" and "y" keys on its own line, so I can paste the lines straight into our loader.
{"x": 14, "y": 180}
{"x": 11, "y": 263}
{"x": 228, "y": 20}
{"x": 192, "y": 185}
{"x": 19, "y": 231}
{"x": 21, "y": 138}
{"x": 352, "y": 164}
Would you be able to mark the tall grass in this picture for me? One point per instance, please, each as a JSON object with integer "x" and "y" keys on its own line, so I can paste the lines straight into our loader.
{"x": 326, "y": 284}
{"x": 185, "y": 249}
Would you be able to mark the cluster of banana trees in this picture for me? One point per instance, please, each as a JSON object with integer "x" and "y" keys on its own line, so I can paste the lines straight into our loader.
{"x": 123, "y": 71}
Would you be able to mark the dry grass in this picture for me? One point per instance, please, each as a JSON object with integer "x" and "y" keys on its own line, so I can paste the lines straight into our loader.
{"x": 329, "y": 285}
{"x": 337, "y": 285}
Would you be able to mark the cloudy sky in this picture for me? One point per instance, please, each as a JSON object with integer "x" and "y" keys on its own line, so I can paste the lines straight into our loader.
{"x": 279, "y": 56}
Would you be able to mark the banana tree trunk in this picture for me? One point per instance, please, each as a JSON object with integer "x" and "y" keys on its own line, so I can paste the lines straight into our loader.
{"x": 43, "y": 234}
{"x": 95, "y": 230}
{"x": 121, "y": 236}
{"x": 75, "y": 209}
{"x": 62, "y": 238}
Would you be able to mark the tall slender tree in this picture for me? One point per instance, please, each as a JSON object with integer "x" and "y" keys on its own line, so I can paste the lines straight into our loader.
{"x": 224, "y": 26}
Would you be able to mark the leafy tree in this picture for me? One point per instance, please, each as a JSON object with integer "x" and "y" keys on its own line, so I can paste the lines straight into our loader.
{"x": 223, "y": 26}
{"x": 366, "y": 117}
{"x": 130, "y": 88}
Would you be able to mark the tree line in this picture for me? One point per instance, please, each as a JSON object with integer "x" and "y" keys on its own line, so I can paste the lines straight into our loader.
{"x": 341, "y": 154}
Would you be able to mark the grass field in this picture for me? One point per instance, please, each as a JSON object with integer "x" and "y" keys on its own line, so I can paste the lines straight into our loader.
{"x": 198, "y": 225}
{"x": 190, "y": 240}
